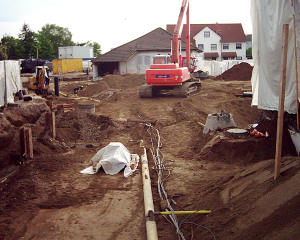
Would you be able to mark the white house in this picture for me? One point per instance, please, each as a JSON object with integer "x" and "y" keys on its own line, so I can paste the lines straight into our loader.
{"x": 137, "y": 56}
{"x": 218, "y": 41}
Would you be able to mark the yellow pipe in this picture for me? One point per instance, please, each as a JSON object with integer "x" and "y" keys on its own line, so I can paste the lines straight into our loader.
{"x": 148, "y": 199}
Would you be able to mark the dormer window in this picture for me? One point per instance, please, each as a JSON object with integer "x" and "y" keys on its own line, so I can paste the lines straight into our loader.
{"x": 206, "y": 33}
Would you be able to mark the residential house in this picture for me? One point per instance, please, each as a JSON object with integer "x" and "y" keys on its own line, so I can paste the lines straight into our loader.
{"x": 249, "y": 41}
{"x": 220, "y": 41}
{"x": 137, "y": 56}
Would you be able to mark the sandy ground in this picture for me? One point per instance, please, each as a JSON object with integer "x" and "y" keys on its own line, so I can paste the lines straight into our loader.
{"x": 48, "y": 198}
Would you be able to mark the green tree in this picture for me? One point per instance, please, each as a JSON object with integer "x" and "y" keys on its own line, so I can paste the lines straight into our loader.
{"x": 249, "y": 52}
{"x": 58, "y": 36}
{"x": 45, "y": 47}
{"x": 3, "y": 51}
{"x": 15, "y": 48}
{"x": 29, "y": 42}
{"x": 96, "y": 47}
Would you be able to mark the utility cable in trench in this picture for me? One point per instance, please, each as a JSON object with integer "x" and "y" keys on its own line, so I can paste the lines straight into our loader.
{"x": 158, "y": 159}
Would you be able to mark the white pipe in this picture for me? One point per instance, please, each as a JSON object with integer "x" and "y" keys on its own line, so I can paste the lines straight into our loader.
{"x": 148, "y": 200}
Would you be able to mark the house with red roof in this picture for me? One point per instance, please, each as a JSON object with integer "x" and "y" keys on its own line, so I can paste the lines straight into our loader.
{"x": 219, "y": 41}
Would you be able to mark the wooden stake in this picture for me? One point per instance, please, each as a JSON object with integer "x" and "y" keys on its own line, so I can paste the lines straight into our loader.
{"x": 28, "y": 141}
{"x": 50, "y": 123}
{"x": 26, "y": 144}
{"x": 284, "y": 50}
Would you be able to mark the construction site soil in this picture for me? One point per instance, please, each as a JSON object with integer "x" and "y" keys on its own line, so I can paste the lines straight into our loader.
{"x": 48, "y": 198}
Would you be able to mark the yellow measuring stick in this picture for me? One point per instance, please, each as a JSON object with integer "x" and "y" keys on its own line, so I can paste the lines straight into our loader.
{"x": 185, "y": 212}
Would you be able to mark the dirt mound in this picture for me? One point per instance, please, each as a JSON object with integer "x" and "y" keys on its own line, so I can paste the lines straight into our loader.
{"x": 105, "y": 87}
{"x": 28, "y": 112}
{"x": 241, "y": 72}
{"x": 90, "y": 129}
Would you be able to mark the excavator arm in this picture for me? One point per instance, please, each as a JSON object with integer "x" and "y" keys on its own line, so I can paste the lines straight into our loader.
{"x": 184, "y": 10}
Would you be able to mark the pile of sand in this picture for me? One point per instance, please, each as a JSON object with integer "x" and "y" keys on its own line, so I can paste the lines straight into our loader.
{"x": 241, "y": 72}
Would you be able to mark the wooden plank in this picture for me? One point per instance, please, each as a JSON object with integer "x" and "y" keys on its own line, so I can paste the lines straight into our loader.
{"x": 22, "y": 142}
{"x": 284, "y": 50}
{"x": 28, "y": 143}
{"x": 52, "y": 126}
{"x": 296, "y": 68}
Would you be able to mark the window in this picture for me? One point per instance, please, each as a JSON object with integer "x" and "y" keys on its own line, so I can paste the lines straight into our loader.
{"x": 238, "y": 58}
{"x": 201, "y": 46}
{"x": 147, "y": 60}
{"x": 225, "y": 46}
{"x": 206, "y": 34}
{"x": 213, "y": 46}
{"x": 140, "y": 59}
{"x": 238, "y": 46}
{"x": 210, "y": 58}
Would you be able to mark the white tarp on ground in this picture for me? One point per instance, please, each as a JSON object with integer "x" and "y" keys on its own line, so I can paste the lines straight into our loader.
{"x": 268, "y": 17}
{"x": 113, "y": 158}
{"x": 10, "y": 80}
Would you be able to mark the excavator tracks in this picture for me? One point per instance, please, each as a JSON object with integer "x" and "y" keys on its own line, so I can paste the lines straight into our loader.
{"x": 187, "y": 89}
{"x": 182, "y": 91}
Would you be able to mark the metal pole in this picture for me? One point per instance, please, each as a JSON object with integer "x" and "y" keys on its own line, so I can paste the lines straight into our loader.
{"x": 188, "y": 40}
{"x": 56, "y": 86}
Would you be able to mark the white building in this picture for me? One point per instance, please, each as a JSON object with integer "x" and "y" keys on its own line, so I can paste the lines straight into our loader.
{"x": 86, "y": 53}
{"x": 218, "y": 41}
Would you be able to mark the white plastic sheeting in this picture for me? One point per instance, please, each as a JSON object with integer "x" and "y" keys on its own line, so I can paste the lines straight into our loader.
{"x": 268, "y": 17}
{"x": 10, "y": 80}
{"x": 296, "y": 140}
{"x": 113, "y": 158}
{"x": 216, "y": 68}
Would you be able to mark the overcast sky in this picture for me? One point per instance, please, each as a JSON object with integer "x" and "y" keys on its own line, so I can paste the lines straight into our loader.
{"x": 112, "y": 23}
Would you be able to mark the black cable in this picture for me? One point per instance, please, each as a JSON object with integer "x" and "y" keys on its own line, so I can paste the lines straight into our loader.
{"x": 199, "y": 226}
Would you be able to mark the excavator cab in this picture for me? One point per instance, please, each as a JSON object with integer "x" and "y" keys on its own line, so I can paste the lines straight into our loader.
{"x": 193, "y": 63}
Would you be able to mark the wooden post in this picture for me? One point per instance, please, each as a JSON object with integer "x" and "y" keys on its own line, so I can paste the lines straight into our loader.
{"x": 26, "y": 144}
{"x": 50, "y": 123}
{"x": 284, "y": 50}
{"x": 22, "y": 141}
{"x": 296, "y": 66}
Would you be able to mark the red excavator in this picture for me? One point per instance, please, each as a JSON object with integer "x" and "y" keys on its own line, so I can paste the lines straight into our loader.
{"x": 166, "y": 77}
